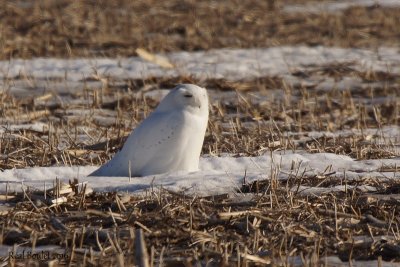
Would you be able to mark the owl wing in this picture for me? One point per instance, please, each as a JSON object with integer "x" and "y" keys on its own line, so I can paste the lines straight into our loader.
{"x": 151, "y": 145}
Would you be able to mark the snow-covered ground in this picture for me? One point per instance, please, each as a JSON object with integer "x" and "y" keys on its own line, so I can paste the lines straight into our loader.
{"x": 65, "y": 76}
{"x": 336, "y": 6}
{"x": 231, "y": 64}
{"x": 217, "y": 174}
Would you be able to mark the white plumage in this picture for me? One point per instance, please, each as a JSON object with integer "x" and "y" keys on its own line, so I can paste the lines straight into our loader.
{"x": 170, "y": 139}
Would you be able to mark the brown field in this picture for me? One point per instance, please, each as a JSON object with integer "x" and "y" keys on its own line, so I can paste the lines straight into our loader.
{"x": 266, "y": 223}
{"x": 116, "y": 28}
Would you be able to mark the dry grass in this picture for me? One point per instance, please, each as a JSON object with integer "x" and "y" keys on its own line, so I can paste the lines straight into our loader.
{"x": 267, "y": 223}
{"x": 117, "y": 28}
{"x": 89, "y": 129}
{"x": 271, "y": 222}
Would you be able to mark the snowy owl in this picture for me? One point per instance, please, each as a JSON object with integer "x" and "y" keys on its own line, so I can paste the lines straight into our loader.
{"x": 170, "y": 139}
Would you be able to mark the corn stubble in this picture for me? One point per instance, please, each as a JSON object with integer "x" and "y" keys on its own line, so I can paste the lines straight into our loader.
{"x": 269, "y": 222}
{"x": 265, "y": 222}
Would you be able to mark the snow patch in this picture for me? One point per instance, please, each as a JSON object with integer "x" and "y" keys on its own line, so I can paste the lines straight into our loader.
{"x": 217, "y": 174}
{"x": 232, "y": 64}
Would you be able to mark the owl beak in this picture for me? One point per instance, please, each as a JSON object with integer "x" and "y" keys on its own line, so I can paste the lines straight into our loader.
{"x": 188, "y": 95}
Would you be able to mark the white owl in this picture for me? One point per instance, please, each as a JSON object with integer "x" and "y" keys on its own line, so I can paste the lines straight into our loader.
{"x": 170, "y": 139}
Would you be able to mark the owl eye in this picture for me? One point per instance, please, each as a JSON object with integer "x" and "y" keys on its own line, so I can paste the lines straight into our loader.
{"x": 188, "y": 95}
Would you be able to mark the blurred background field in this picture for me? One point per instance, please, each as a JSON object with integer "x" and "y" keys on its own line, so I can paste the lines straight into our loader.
{"x": 116, "y": 28}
